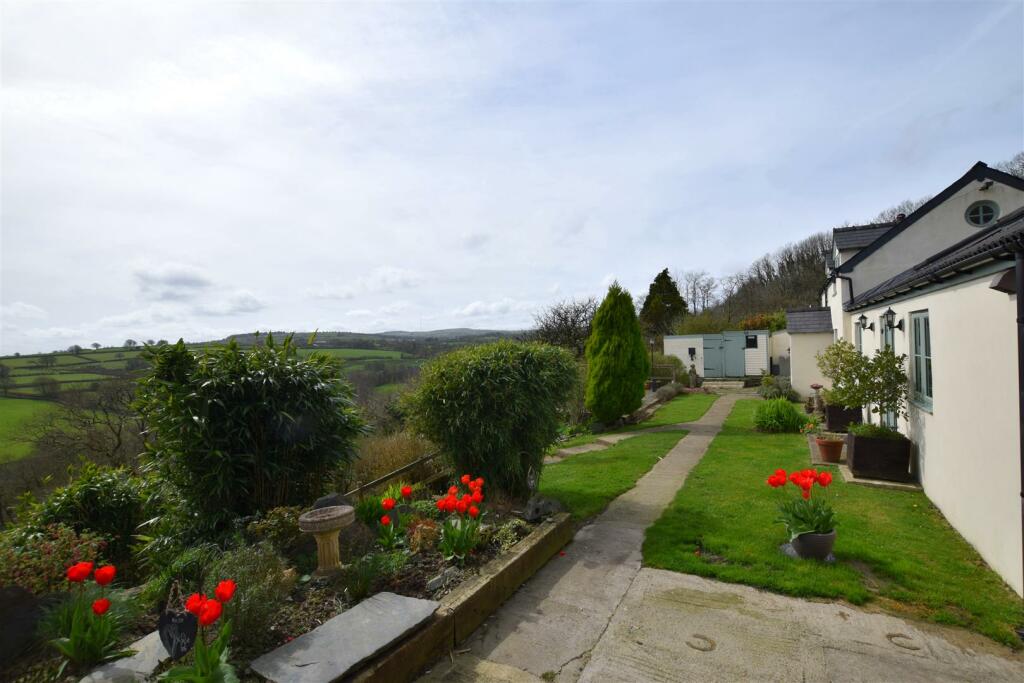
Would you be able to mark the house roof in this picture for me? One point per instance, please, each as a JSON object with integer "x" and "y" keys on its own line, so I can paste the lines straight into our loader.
{"x": 978, "y": 172}
{"x": 996, "y": 242}
{"x": 859, "y": 236}
{"x": 807, "y": 320}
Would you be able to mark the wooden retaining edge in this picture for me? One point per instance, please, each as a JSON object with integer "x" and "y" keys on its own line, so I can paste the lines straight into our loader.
{"x": 466, "y": 607}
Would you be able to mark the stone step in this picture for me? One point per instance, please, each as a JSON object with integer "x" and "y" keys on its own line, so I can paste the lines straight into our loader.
{"x": 337, "y": 647}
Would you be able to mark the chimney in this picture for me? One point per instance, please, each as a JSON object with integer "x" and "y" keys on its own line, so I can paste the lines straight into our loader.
{"x": 900, "y": 216}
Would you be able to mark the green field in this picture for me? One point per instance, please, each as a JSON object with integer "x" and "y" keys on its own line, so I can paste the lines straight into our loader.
{"x": 356, "y": 354}
{"x": 15, "y": 415}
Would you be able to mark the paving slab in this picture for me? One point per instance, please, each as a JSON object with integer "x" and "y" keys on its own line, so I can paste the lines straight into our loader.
{"x": 679, "y": 627}
{"x": 339, "y": 645}
{"x": 149, "y": 653}
{"x": 550, "y": 625}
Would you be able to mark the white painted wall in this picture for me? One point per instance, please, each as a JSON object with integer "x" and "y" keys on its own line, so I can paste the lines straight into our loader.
{"x": 967, "y": 445}
{"x": 939, "y": 228}
{"x": 804, "y": 371}
{"x": 755, "y": 361}
{"x": 679, "y": 345}
{"x": 778, "y": 346}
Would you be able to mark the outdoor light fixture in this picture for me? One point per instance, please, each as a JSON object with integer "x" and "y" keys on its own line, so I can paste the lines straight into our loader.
{"x": 890, "y": 320}
{"x": 864, "y": 324}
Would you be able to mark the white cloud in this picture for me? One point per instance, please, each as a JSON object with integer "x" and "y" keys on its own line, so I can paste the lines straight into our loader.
{"x": 22, "y": 311}
{"x": 236, "y": 303}
{"x": 381, "y": 280}
{"x": 171, "y": 281}
{"x": 479, "y": 309}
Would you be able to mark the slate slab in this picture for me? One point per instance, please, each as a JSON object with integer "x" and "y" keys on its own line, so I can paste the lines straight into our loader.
{"x": 149, "y": 652}
{"x": 337, "y": 647}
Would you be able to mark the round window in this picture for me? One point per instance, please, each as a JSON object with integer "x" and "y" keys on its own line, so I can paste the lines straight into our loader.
{"x": 982, "y": 213}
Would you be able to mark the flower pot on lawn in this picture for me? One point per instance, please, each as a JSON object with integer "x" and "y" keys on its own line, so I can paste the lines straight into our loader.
{"x": 830, "y": 449}
{"x": 812, "y": 546}
{"x": 839, "y": 418}
{"x": 879, "y": 458}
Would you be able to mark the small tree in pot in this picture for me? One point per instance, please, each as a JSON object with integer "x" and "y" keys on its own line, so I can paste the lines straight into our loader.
{"x": 847, "y": 368}
{"x": 880, "y": 452}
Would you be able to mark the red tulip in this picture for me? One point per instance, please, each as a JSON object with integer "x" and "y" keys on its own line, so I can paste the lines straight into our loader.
{"x": 210, "y": 612}
{"x": 824, "y": 479}
{"x": 388, "y": 503}
{"x": 406, "y": 491}
{"x": 440, "y": 504}
{"x": 195, "y": 602}
{"x": 479, "y": 482}
{"x": 474, "y": 511}
{"x": 105, "y": 574}
{"x": 477, "y": 497}
{"x": 79, "y": 572}
{"x": 461, "y": 506}
{"x": 466, "y": 479}
{"x": 453, "y": 491}
{"x": 225, "y": 590}
{"x": 100, "y": 607}
{"x": 385, "y": 520}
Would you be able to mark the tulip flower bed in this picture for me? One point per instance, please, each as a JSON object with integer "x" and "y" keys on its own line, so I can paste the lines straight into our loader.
{"x": 894, "y": 549}
{"x": 416, "y": 544}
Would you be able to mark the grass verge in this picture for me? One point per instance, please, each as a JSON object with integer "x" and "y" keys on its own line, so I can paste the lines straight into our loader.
{"x": 587, "y": 482}
{"x": 683, "y": 408}
{"x": 894, "y": 548}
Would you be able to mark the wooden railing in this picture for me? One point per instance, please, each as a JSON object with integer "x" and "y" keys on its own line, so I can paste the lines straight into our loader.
{"x": 362, "y": 488}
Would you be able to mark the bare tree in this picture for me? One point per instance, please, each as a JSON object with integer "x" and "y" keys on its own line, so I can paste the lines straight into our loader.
{"x": 100, "y": 425}
{"x": 906, "y": 207}
{"x": 566, "y": 324}
{"x": 698, "y": 288}
{"x": 1013, "y": 166}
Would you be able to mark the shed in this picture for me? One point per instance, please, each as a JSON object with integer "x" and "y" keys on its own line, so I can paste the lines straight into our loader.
{"x": 734, "y": 353}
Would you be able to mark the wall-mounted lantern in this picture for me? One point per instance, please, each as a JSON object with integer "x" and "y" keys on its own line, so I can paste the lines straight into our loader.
{"x": 864, "y": 324}
{"x": 889, "y": 317}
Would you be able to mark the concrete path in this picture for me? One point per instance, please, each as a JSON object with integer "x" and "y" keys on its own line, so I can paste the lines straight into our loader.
{"x": 594, "y": 615}
{"x": 549, "y": 627}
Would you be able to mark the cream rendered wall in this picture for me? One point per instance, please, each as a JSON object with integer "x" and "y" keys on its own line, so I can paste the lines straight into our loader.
{"x": 967, "y": 445}
{"x": 679, "y": 345}
{"x": 939, "y": 228}
{"x": 803, "y": 362}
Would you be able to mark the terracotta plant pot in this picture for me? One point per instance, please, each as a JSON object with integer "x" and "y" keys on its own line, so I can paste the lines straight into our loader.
{"x": 831, "y": 450}
{"x": 839, "y": 418}
{"x": 814, "y": 546}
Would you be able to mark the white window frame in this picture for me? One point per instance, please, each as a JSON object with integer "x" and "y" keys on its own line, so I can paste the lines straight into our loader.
{"x": 921, "y": 360}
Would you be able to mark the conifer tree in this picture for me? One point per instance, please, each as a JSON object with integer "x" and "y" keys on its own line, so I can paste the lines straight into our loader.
{"x": 617, "y": 362}
{"x": 664, "y": 306}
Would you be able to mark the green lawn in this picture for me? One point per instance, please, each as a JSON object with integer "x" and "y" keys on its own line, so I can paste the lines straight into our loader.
{"x": 587, "y": 482}
{"x": 894, "y": 548}
{"x": 683, "y": 408}
{"x": 14, "y": 415}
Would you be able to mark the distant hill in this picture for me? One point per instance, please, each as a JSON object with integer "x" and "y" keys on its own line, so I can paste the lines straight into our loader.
{"x": 333, "y": 339}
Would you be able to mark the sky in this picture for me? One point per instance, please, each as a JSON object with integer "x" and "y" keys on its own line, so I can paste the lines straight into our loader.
{"x": 198, "y": 169}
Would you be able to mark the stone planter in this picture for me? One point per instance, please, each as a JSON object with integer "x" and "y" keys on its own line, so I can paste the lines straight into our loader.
{"x": 838, "y": 418}
{"x": 873, "y": 458}
{"x": 814, "y": 546}
{"x": 831, "y": 450}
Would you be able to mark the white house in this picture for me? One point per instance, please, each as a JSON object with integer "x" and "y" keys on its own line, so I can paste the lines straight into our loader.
{"x": 939, "y": 286}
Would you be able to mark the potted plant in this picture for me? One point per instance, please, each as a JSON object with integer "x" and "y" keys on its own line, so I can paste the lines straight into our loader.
{"x": 810, "y": 520}
{"x": 879, "y": 452}
{"x": 846, "y": 367}
{"x": 830, "y": 445}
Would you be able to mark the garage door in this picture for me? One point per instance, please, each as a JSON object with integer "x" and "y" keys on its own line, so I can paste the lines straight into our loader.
{"x": 723, "y": 354}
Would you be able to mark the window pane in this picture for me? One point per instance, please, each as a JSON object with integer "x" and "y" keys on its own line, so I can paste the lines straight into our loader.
{"x": 927, "y": 337}
{"x": 928, "y": 377}
{"x": 917, "y": 375}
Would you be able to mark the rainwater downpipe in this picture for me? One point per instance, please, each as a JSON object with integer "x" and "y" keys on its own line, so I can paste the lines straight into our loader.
{"x": 1019, "y": 262}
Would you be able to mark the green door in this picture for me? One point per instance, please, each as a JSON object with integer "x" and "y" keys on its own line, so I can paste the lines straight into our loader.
{"x": 723, "y": 354}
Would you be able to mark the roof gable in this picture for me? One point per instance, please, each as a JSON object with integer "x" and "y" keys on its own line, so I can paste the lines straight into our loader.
{"x": 978, "y": 172}
{"x": 996, "y": 241}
